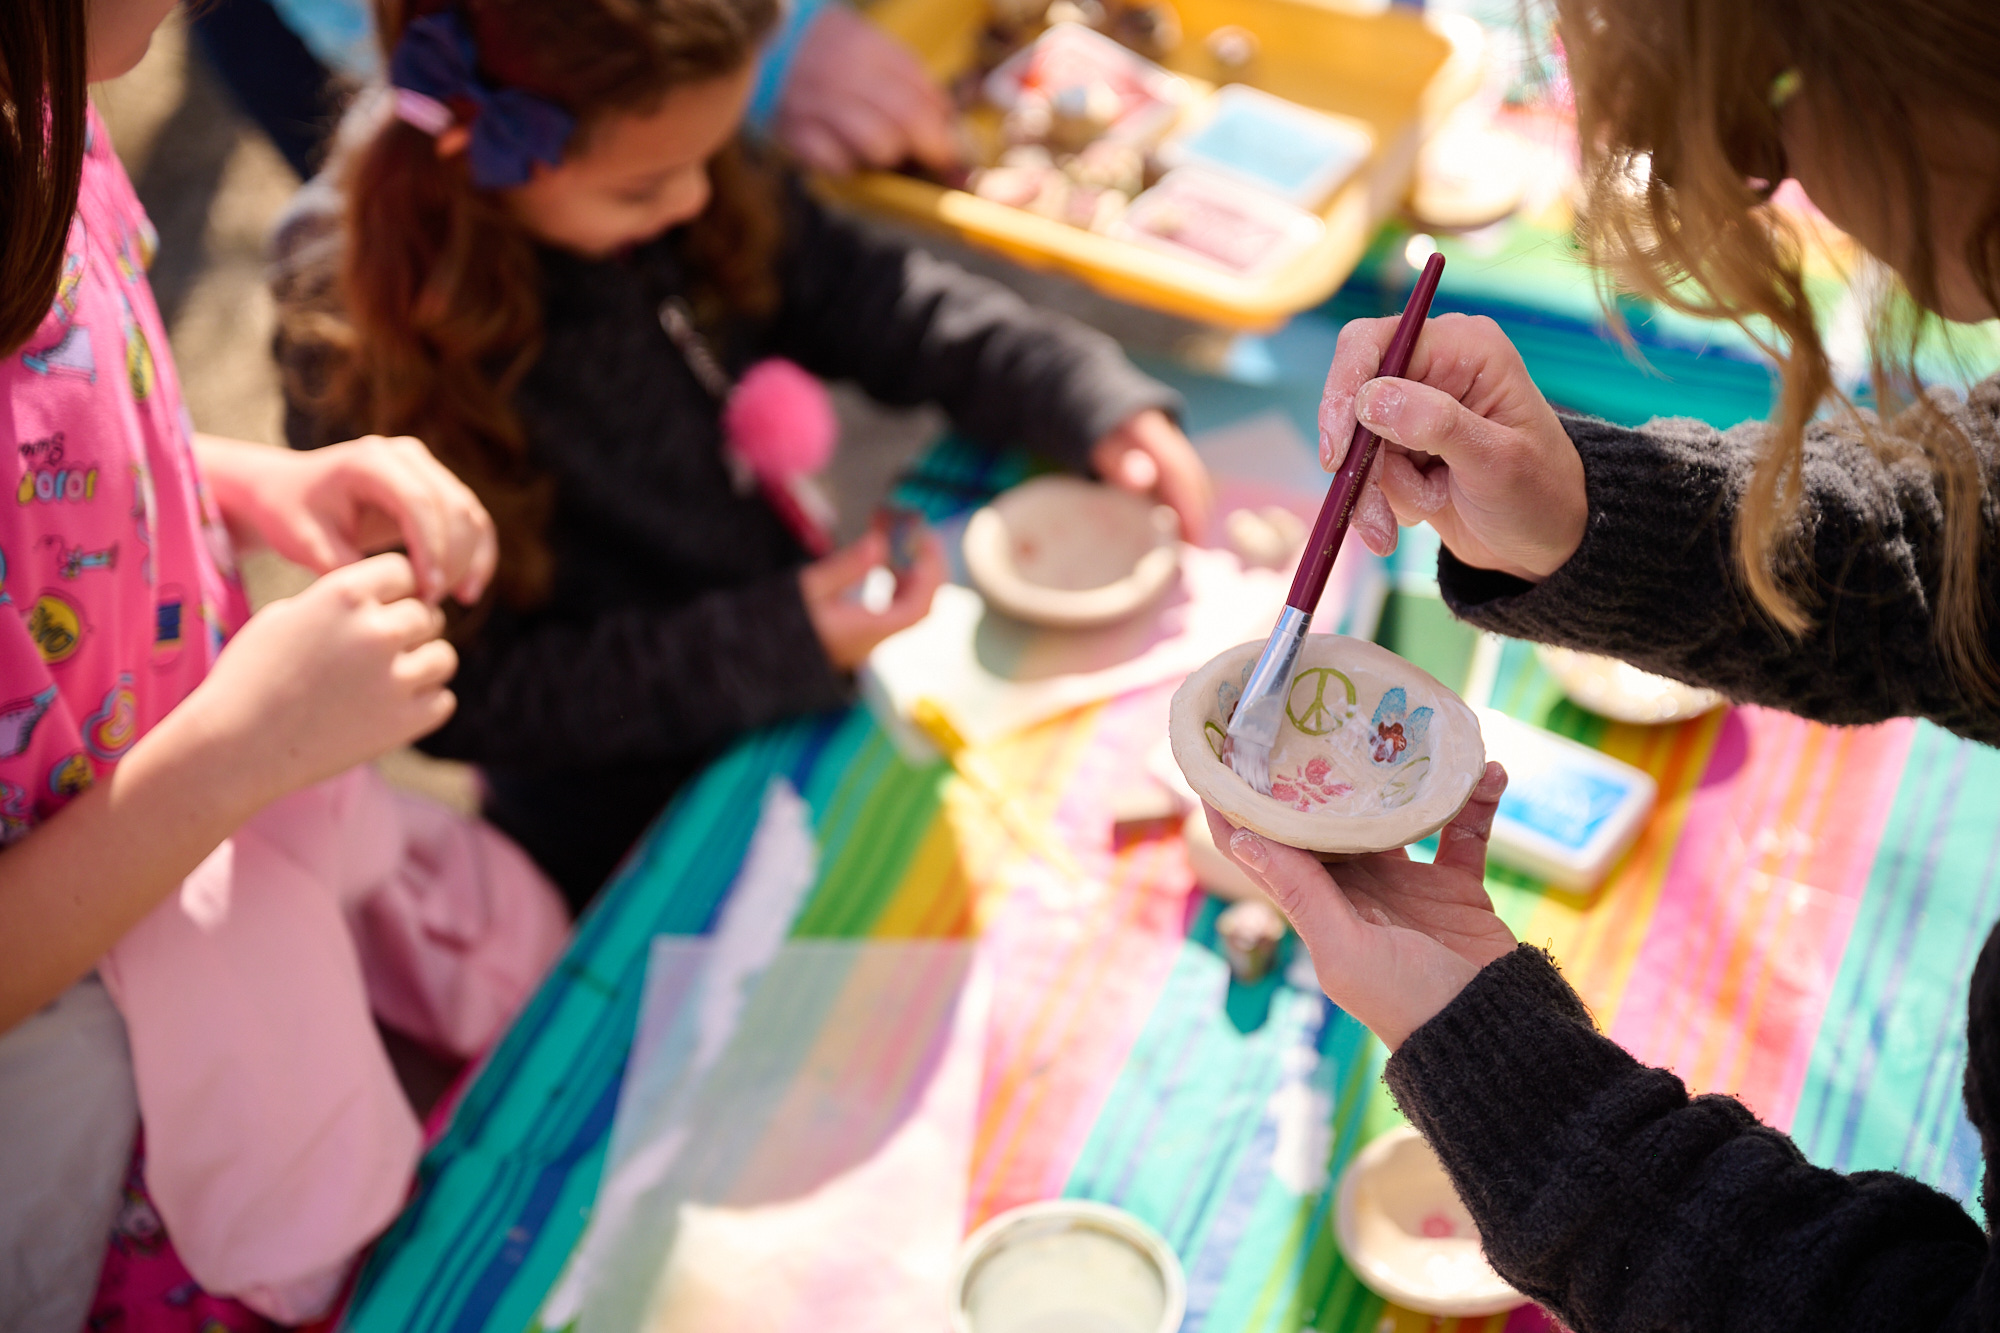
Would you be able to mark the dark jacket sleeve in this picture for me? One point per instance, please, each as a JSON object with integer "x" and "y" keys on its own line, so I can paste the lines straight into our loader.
{"x": 540, "y": 691}
{"x": 1607, "y": 1194}
{"x": 910, "y": 328}
{"x": 1655, "y": 581}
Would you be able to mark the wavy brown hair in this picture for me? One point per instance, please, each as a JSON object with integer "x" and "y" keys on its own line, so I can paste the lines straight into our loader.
{"x": 435, "y": 316}
{"x": 1678, "y": 106}
{"x": 43, "y": 91}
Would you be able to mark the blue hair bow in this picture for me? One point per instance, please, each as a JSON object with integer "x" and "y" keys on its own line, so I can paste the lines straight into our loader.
{"x": 511, "y": 129}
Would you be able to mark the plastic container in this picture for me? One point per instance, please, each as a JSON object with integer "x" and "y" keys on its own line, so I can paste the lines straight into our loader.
{"x": 1570, "y": 811}
{"x": 1395, "y": 72}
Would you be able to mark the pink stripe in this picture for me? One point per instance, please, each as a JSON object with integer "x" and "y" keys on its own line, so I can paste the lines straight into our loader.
{"x": 1746, "y": 940}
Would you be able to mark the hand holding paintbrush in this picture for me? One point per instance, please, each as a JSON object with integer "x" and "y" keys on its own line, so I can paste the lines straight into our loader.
{"x": 1253, "y": 728}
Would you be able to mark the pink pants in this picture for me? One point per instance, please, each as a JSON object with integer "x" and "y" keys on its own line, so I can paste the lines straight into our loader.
{"x": 278, "y": 1141}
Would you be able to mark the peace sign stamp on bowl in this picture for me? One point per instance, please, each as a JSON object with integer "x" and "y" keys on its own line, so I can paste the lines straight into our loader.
{"x": 1374, "y": 752}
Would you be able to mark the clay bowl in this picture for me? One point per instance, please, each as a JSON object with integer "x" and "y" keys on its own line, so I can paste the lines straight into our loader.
{"x": 1405, "y": 1233}
{"x": 1070, "y": 553}
{"x": 1374, "y": 752}
{"x": 1622, "y": 692}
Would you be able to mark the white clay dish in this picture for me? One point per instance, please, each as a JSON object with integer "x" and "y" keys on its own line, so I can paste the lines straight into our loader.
{"x": 1374, "y": 753}
{"x": 1622, "y": 692}
{"x": 1067, "y": 1264}
{"x": 1070, "y": 553}
{"x": 1404, "y": 1232}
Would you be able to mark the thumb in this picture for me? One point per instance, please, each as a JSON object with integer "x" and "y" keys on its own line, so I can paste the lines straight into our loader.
{"x": 1303, "y": 891}
{"x": 1424, "y": 420}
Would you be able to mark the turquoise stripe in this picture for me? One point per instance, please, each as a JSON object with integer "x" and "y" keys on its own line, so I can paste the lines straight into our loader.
{"x": 1882, "y": 1086}
{"x": 503, "y": 1195}
{"x": 1186, "y": 1137}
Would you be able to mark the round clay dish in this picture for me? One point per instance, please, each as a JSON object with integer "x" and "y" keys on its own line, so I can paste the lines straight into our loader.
{"x": 1373, "y": 754}
{"x": 1070, "y": 553}
{"x": 1622, "y": 692}
{"x": 1403, "y": 1230}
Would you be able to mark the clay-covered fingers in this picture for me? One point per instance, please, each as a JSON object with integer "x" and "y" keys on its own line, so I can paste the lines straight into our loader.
{"x": 1462, "y": 842}
{"x": 1465, "y": 357}
{"x": 446, "y": 530}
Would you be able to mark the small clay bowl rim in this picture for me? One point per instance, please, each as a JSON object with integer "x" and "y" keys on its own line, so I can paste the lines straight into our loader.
{"x": 1380, "y": 1278}
{"x": 1332, "y": 837}
{"x": 1078, "y": 1215}
{"x": 989, "y": 562}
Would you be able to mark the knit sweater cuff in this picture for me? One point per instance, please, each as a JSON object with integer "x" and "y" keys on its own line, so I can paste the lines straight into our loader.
{"x": 1651, "y": 543}
{"x": 1495, "y": 1077}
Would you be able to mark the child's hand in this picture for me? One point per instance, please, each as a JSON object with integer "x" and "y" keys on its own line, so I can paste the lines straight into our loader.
{"x": 1392, "y": 940}
{"x": 328, "y": 507}
{"x": 1469, "y": 446}
{"x": 857, "y": 97}
{"x": 312, "y": 685}
{"x": 1148, "y": 454}
{"x": 848, "y": 630}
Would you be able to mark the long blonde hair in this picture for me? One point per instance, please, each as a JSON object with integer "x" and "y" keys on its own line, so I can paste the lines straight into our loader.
{"x": 1677, "y": 107}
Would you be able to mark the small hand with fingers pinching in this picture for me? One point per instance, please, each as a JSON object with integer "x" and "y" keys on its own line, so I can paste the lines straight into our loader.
{"x": 1392, "y": 940}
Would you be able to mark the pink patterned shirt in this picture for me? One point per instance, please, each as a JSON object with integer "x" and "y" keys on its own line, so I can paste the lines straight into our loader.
{"x": 116, "y": 566}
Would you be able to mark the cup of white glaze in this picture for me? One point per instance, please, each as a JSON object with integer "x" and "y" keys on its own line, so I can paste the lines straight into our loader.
{"x": 1067, "y": 1266}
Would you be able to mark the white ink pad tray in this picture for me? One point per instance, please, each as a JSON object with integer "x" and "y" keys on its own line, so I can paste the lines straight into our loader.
{"x": 1374, "y": 752}
{"x": 1570, "y": 811}
{"x": 1404, "y": 1232}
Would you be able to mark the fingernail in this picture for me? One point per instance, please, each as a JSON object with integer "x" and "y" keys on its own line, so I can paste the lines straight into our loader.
{"x": 1374, "y": 399}
{"x": 1248, "y": 848}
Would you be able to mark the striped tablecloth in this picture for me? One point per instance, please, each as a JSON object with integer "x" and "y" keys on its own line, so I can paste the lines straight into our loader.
{"x": 1796, "y": 926}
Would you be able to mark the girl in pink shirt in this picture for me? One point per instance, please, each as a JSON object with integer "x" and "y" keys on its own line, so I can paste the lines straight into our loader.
{"x": 145, "y": 718}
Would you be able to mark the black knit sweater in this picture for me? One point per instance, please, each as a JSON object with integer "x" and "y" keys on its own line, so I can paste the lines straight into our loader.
{"x": 676, "y": 622}
{"x": 1601, "y": 1188}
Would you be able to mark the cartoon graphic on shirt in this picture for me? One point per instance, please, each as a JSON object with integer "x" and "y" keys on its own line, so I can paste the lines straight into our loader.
{"x": 109, "y": 732}
{"x": 6, "y": 598}
{"x": 18, "y": 719}
{"x": 73, "y": 560}
{"x": 169, "y": 625}
{"x": 68, "y": 355}
{"x": 56, "y": 626}
{"x": 144, "y": 506}
{"x": 136, "y": 247}
{"x": 139, "y": 366}
{"x": 51, "y": 485}
{"x": 17, "y": 816}
{"x": 71, "y": 775}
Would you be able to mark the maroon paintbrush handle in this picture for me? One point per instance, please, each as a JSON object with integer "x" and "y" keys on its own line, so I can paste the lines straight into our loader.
{"x": 1330, "y": 527}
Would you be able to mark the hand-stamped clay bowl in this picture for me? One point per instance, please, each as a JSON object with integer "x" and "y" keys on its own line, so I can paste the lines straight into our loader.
{"x": 1373, "y": 754}
{"x": 1070, "y": 553}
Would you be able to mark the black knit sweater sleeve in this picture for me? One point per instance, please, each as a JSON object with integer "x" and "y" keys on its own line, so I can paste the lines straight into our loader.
{"x": 1623, "y": 1205}
{"x": 1655, "y": 581}
{"x": 910, "y": 328}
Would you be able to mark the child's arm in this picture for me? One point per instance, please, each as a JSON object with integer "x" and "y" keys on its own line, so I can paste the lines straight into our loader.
{"x": 311, "y": 685}
{"x": 910, "y": 329}
{"x": 1601, "y": 1189}
{"x": 1576, "y": 532}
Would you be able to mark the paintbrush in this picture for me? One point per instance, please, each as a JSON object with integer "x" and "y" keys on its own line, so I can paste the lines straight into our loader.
{"x": 1253, "y": 728}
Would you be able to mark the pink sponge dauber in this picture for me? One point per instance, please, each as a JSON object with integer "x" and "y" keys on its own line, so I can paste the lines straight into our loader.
{"x": 780, "y": 425}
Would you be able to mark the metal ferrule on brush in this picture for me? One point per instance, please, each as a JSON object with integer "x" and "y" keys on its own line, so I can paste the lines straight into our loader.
{"x": 1253, "y": 730}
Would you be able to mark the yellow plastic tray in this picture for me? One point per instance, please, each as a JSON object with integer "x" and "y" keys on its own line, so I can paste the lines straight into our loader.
{"x": 1395, "y": 70}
